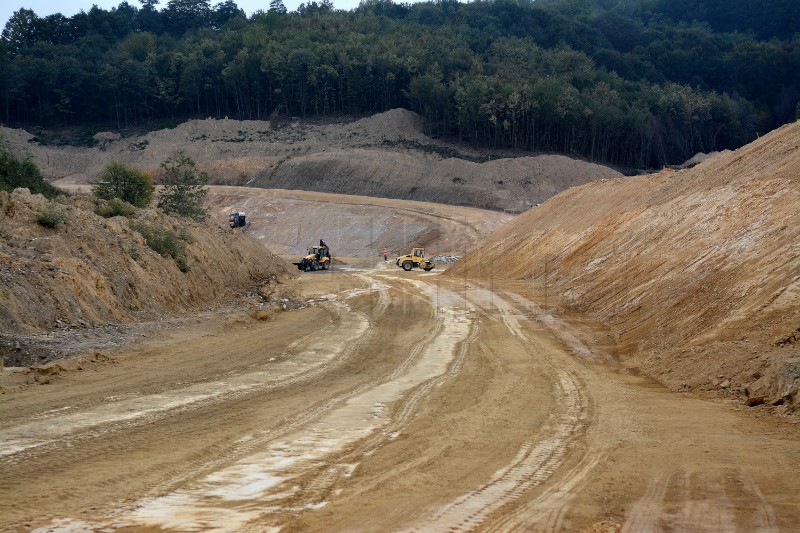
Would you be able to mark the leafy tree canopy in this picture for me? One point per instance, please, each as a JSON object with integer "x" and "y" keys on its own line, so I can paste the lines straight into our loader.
{"x": 125, "y": 183}
{"x": 627, "y": 82}
{"x": 184, "y": 188}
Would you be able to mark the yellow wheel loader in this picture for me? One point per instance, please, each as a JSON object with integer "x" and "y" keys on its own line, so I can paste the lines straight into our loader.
{"x": 318, "y": 258}
{"x": 416, "y": 259}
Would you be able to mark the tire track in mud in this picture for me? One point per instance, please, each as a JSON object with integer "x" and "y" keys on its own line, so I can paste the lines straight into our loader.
{"x": 537, "y": 459}
{"x": 764, "y": 517}
{"x": 314, "y": 357}
{"x": 534, "y": 463}
{"x": 555, "y": 326}
{"x": 698, "y": 502}
{"x": 223, "y": 453}
{"x": 263, "y": 484}
{"x": 701, "y": 501}
{"x": 546, "y": 512}
{"x": 251, "y": 442}
{"x": 322, "y": 483}
{"x": 220, "y": 452}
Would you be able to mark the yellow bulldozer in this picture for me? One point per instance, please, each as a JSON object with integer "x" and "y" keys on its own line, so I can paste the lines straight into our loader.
{"x": 416, "y": 259}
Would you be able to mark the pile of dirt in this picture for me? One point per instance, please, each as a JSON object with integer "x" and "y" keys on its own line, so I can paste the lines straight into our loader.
{"x": 504, "y": 184}
{"x": 89, "y": 272}
{"x": 696, "y": 272}
{"x": 393, "y": 125}
{"x": 386, "y": 155}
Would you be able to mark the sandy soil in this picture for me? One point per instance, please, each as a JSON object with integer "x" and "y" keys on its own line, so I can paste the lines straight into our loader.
{"x": 696, "y": 272}
{"x": 394, "y": 402}
{"x": 385, "y": 155}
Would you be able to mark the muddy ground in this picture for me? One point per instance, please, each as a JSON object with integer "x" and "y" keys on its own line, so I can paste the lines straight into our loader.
{"x": 394, "y": 401}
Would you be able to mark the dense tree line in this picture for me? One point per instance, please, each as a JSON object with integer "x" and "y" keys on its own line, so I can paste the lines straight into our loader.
{"x": 629, "y": 82}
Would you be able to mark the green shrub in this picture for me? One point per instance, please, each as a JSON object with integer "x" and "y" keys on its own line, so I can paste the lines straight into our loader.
{"x": 186, "y": 236}
{"x": 114, "y": 208}
{"x": 165, "y": 242}
{"x": 183, "y": 263}
{"x": 125, "y": 183}
{"x": 22, "y": 173}
{"x": 134, "y": 252}
{"x": 51, "y": 217}
{"x": 184, "y": 188}
{"x": 141, "y": 145}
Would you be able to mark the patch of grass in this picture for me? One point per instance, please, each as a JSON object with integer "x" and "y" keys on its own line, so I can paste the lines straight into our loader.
{"x": 165, "y": 242}
{"x": 183, "y": 263}
{"x": 51, "y": 217}
{"x": 134, "y": 252}
{"x": 114, "y": 208}
{"x": 186, "y": 236}
{"x": 433, "y": 149}
{"x": 138, "y": 146}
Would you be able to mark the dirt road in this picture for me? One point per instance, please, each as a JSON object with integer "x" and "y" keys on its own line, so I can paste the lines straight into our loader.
{"x": 394, "y": 402}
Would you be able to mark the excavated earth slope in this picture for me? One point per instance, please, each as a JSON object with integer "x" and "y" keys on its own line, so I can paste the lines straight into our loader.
{"x": 696, "y": 272}
{"x": 386, "y": 155}
{"x": 514, "y": 184}
{"x": 287, "y": 222}
{"x": 78, "y": 277}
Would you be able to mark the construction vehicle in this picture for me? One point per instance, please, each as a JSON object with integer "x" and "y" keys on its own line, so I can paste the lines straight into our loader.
{"x": 416, "y": 259}
{"x": 318, "y": 258}
{"x": 237, "y": 219}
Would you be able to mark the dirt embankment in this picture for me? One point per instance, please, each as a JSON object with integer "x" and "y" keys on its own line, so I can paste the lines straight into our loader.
{"x": 287, "y": 222}
{"x": 385, "y": 155}
{"x": 696, "y": 272}
{"x": 91, "y": 271}
{"x": 511, "y": 184}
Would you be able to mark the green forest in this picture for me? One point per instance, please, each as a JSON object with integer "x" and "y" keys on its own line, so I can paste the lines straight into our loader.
{"x": 629, "y": 83}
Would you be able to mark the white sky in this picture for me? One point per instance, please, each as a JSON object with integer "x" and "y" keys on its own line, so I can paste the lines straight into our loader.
{"x": 69, "y": 7}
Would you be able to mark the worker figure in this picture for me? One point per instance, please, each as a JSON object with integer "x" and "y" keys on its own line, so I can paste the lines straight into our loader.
{"x": 385, "y": 256}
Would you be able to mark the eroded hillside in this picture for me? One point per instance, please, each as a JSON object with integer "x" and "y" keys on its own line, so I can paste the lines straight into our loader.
{"x": 90, "y": 271}
{"x": 696, "y": 272}
{"x": 385, "y": 155}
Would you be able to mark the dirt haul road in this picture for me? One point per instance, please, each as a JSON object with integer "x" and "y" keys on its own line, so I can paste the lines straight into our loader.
{"x": 395, "y": 402}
